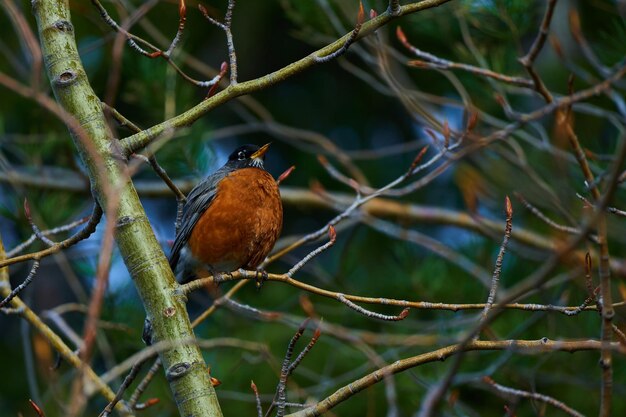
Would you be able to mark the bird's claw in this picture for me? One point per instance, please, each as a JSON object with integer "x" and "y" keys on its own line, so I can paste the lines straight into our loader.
{"x": 260, "y": 277}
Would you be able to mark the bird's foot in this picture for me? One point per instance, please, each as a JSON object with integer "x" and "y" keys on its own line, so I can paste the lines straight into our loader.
{"x": 260, "y": 277}
{"x": 219, "y": 277}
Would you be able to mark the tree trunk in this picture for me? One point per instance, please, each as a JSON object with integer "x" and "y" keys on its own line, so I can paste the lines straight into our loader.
{"x": 148, "y": 267}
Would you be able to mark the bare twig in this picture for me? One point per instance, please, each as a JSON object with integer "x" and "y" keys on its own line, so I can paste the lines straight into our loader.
{"x": 182, "y": 13}
{"x": 37, "y": 409}
{"x": 226, "y": 27}
{"x": 344, "y": 48}
{"x": 333, "y": 237}
{"x": 141, "y": 387}
{"x": 24, "y": 284}
{"x": 433, "y": 62}
{"x": 134, "y": 41}
{"x": 281, "y": 389}
{"x": 534, "y": 210}
{"x": 33, "y": 226}
{"x": 372, "y": 314}
{"x": 533, "y": 396}
{"x": 84, "y": 233}
{"x": 120, "y": 392}
{"x": 64, "y": 228}
{"x": 611, "y": 210}
{"x": 422, "y": 305}
{"x": 257, "y": 398}
{"x": 498, "y": 267}
{"x": 521, "y": 346}
{"x": 19, "y": 21}
{"x": 528, "y": 60}
{"x": 282, "y": 177}
{"x": 35, "y": 321}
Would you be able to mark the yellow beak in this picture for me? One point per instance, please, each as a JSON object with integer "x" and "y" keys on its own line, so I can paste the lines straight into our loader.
{"x": 261, "y": 151}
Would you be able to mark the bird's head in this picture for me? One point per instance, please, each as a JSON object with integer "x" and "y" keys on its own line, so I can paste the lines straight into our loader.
{"x": 247, "y": 156}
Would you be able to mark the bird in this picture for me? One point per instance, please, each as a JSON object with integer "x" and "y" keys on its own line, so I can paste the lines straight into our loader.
{"x": 231, "y": 219}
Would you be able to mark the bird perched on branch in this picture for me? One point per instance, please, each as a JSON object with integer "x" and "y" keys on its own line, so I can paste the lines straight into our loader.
{"x": 231, "y": 220}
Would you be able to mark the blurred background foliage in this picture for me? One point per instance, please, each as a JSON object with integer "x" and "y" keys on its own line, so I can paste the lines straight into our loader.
{"x": 348, "y": 102}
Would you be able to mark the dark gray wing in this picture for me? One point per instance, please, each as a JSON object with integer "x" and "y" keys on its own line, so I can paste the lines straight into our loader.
{"x": 198, "y": 200}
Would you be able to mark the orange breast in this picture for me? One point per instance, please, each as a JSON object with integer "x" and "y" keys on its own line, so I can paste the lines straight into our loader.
{"x": 242, "y": 223}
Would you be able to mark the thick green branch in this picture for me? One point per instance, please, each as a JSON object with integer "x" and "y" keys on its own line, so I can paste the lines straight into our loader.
{"x": 140, "y": 140}
{"x": 148, "y": 267}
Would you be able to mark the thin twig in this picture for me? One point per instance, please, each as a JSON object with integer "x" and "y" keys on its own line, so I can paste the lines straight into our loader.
{"x": 522, "y": 346}
{"x": 151, "y": 159}
{"x": 141, "y": 387}
{"x": 227, "y": 28}
{"x": 33, "y": 226}
{"x": 344, "y": 48}
{"x": 64, "y": 228}
{"x": 257, "y": 398}
{"x": 82, "y": 234}
{"x": 434, "y": 62}
{"x": 372, "y": 314}
{"x": 120, "y": 392}
{"x": 422, "y": 305}
{"x": 305, "y": 351}
{"x": 24, "y": 284}
{"x": 534, "y": 210}
{"x": 281, "y": 389}
{"x": 533, "y": 396}
{"x": 134, "y": 41}
{"x": 37, "y": 409}
{"x": 528, "y": 60}
{"x": 333, "y": 237}
{"x": 500, "y": 258}
{"x": 182, "y": 13}
{"x": 611, "y": 210}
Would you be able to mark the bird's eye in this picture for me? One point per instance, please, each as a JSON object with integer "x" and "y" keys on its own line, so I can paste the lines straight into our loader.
{"x": 241, "y": 155}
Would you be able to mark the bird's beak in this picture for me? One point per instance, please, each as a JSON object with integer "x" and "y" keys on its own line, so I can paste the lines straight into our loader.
{"x": 261, "y": 151}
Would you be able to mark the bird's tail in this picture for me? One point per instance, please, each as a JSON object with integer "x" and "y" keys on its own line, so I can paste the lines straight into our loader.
{"x": 183, "y": 266}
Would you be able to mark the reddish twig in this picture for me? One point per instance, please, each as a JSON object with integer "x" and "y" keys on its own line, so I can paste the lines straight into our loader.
{"x": 134, "y": 41}
{"x": 218, "y": 78}
{"x": 285, "y": 174}
{"x": 434, "y": 62}
{"x": 37, "y": 409}
{"x": 257, "y": 398}
{"x": 182, "y": 13}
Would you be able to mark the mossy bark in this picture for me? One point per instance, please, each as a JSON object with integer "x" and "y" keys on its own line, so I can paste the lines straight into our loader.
{"x": 148, "y": 267}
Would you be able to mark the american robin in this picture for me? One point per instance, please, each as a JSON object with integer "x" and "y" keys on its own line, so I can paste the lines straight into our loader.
{"x": 231, "y": 220}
